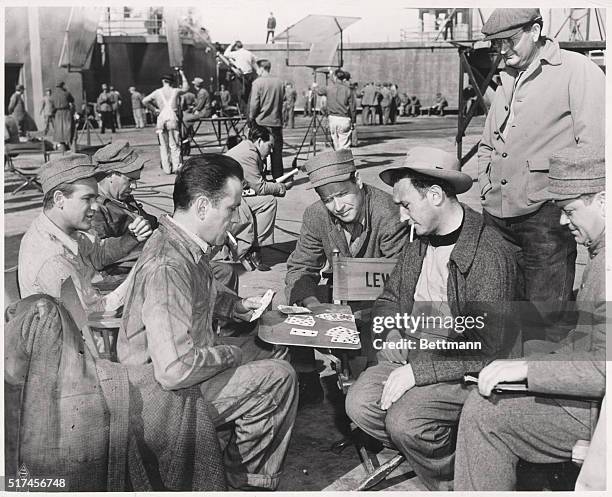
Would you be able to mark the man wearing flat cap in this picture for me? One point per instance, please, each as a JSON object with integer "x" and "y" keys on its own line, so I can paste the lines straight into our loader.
{"x": 549, "y": 99}
{"x": 57, "y": 245}
{"x": 457, "y": 271}
{"x": 118, "y": 208}
{"x": 543, "y": 425}
{"x": 355, "y": 218}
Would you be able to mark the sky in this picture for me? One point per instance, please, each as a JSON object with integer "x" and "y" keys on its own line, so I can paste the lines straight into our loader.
{"x": 247, "y": 19}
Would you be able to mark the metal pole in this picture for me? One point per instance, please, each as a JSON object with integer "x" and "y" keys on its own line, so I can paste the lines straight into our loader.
{"x": 588, "y": 24}
{"x": 460, "y": 108}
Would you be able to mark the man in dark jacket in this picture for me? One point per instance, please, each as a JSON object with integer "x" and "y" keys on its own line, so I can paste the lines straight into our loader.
{"x": 117, "y": 207}
{"x": 357, "y": 219}
{"x": 444, "y": 312}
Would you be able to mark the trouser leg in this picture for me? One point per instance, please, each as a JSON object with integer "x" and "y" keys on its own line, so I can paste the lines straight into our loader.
{"x": 421, "y": 424}
{"x": 175, "y": 151}
{"x": 277, "y": 150}
{"x": 495, "y": 433}
{"x": 264, "y": 208}
{"x": 546, "y": 256}
{"x": 164, "y": 152}
{"x": 260, "y": 397}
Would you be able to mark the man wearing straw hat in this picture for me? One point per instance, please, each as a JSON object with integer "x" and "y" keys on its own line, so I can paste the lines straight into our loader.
{"x": 355, "y": 218}
{"x": 549, "y": 99}
{"x": 543, "y": 426}
{"x": 459, "y": 277}
{"x": 57, "y": 245}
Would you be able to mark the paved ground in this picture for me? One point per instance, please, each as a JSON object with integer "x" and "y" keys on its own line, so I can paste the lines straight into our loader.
{"x": 309, "y": 465}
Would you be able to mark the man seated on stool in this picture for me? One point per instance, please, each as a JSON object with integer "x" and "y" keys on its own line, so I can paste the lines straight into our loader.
{"x": 251, "y": 154}
{"x": 355, "y": 218}
{"x": 167, "y": 322}
{"x": 496, "y": 431}
{"x": 118, "y": 208}
{"x": 202, "y": 107}
{"x": 457, "y": 272}
{"x": 57, "y": 246}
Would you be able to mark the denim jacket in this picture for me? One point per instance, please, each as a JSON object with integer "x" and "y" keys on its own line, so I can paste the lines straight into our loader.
{"x": 167, "y": 319}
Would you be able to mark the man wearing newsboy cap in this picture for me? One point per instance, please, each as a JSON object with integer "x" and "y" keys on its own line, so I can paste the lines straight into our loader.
{"x": 549, "y": 99}
{"x": 355, "y": 218}
{"x": 458, "y": 270}
{"x": 543, "y": 425}
{"x": 57, "y": 246}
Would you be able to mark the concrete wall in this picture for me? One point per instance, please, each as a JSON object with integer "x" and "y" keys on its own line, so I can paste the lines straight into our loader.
{"x": 417, "y": 70}
{"x": 17, "y": 48}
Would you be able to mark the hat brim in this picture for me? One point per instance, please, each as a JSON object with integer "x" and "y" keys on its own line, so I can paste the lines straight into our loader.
{"x": 327, "y": 181}
{"x": 127, "y": 169}
{"x": 461, "y": 182}
{"x": 507, "y": 33}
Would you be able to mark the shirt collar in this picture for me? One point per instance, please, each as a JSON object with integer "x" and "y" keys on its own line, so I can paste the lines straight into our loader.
{"x": 47, "y": 226}
{"x": 196, "y": 239}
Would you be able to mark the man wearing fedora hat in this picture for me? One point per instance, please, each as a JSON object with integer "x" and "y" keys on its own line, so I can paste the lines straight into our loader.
{"x": 543, "y": 425}
{"x": 57, "y": 246}
{"x": 353, "y": 217}
{"x": 549, "y": 99}
{"x": 456, "y": 271}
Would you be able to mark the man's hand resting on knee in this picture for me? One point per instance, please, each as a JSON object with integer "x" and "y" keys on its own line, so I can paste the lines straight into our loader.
{"x": 399, "y": 382}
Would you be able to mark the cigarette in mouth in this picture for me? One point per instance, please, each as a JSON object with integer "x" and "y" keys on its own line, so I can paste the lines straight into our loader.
{"x": 411, "y": 232}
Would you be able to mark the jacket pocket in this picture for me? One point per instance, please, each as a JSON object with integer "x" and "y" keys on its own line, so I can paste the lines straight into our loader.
{"x": 537, "y": 180}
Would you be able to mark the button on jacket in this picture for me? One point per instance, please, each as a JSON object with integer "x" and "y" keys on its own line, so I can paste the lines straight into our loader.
{"x": 559, "y": 101}
{"x": 167, "y": 319}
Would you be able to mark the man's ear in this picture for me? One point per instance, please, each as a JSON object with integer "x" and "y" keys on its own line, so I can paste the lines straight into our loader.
{"x": 58, "y": 199}
{"x": 358, "y": 181}
{"x": 437, "y": 194}
{"x": 536, "y": 31}
{"x": 202, "y": 205}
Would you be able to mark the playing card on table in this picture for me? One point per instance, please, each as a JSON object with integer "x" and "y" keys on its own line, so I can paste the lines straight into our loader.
{"x": 293, "y": 309}
{"x": 341, "y": 330}
{"x": 304, "y": 333}
{"x": 345, "y": 338}
{"x": 300, "y": 320}
{"x": 336, "y": 316}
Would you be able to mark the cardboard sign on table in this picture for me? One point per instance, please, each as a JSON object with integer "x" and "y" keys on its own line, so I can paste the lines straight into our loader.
{"x": 274, "y": 329}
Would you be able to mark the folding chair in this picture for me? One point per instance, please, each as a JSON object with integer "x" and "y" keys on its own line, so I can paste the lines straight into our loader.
{"x": 362, "y": 280}
{"x": 99, "y": 329}
{"x": 30, "y": 174}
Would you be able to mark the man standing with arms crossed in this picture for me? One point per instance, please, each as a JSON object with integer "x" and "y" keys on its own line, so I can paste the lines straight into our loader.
{"x": 266, "y": 109}
{"x": 549, "y": 99}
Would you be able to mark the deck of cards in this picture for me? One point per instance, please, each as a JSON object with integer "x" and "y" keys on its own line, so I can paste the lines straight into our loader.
{"x": 336, "y": 316}
{"x": 300, "y": 320}
{"x": 265, "y": 302}
{"x": 340, "y": 334}
{"x": 293, "y": 309}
